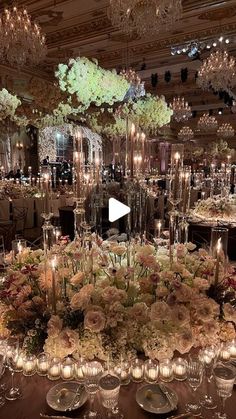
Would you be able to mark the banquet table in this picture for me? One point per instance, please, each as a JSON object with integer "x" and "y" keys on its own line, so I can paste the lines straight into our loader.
{"x": 35, "y": 388}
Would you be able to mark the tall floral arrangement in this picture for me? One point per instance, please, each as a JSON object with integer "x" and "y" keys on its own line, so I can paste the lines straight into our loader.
{"x": 91, "y": 83}
{"x": 8, "y": 104}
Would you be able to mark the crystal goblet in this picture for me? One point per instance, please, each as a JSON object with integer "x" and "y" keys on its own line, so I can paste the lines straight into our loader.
{"x": 194, "y": 376}
{"x": 12, "y": 354}
{"x": 207, "y": 356}
{"x": 109, "y": 386}
{"x": 224, "y": 377}
{"x": 92, "y": 372}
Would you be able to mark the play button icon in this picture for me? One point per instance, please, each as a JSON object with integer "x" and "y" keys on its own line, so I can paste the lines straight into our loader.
{"x": 117, "y": 210}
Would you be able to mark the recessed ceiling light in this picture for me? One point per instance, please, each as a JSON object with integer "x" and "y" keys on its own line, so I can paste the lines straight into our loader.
{"x": 227, "y": 41}
{"x": 221, "y": 38}
{"x": 208, "y": 46}
{"x": 184, "y": 50}
{"x": 214, "y": 44}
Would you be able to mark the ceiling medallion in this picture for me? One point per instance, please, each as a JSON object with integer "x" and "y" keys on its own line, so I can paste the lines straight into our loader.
{"x": 144, "y": 17}
{"x": 207, "y": 123}
{"x": 21, "y": 39}
{"x": 218, "y": 72}
{"x": 181, "y": 109}
{"x": 225, "y": 131}
{"x": 186, "y": 134}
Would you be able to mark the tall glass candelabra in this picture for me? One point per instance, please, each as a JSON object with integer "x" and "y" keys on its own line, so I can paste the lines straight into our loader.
{"x": 185, "y": 204}
{"x": 78, "y": 185}
{"x": 48, "y": 236}
{"x": 175, "y": 192}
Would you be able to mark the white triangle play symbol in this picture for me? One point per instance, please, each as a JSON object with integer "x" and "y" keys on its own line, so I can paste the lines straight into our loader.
{"x": 117, "y": 210}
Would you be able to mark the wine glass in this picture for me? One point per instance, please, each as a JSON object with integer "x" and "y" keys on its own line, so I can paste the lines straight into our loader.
{"x": 194, "y": 375}
{"x": 92, "y": 372}
{"x": 109, "y": 386}
{"x": 207, "y": 357}
{"x": 12, "y": 354}
{"x": 225, "y": 377}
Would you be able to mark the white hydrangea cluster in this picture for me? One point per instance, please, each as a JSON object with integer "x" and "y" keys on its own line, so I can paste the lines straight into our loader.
{"x": 8, "y": 104}
{"x": 91, "y": 83}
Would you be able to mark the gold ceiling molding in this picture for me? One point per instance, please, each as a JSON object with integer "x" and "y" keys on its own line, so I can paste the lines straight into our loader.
{"x": 218, "y": 14}
{"x": 48, "y": 18}
{"x": 81, "y": 31}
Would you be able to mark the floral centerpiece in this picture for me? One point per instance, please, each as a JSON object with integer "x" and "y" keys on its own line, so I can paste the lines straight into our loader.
{"x": 117, "y": 299}
{"x": 216, "y": 208}
{"x": 11, "y": 190}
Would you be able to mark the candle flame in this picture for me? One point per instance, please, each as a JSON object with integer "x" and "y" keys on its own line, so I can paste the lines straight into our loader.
{"x": 20, "y": 248}
{"x": 54, "y": 262}
{"x": 132, "y": 131}
{"x": 177, "y": 156}
{"x": 219, "y": 245}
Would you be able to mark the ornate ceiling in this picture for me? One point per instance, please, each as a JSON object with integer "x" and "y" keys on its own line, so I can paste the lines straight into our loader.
{"x": 79, "y": 27}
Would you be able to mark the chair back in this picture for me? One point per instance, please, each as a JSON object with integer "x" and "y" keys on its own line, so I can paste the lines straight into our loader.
{"x": 19, "y": 215}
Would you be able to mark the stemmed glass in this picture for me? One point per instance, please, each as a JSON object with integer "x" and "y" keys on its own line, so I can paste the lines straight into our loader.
{"x": 225, "y": 377}
{"x": 12, "y": 353}
{"x": 92, "y": 372}
{"x": 109, "y": 386}
{"x": 194, "y": 375}
{"x": 207, "y": 356}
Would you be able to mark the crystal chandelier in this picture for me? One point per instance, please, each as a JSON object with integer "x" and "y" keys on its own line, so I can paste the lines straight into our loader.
{"x": 207, "y": 123}
{"x": 225, "y": 131}
{"x": 181, "y": 109}
{"x": 137, "y": 88}
{"x": 218, "y": 72}
{"x": 21, "y": 39}
{"x": 186, "y": 134}
{"x": 144, "y": 17}
{"x": 233, "y": 107}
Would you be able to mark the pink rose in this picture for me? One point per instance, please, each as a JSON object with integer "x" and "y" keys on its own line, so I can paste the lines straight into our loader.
{"x": 94, "y": 321}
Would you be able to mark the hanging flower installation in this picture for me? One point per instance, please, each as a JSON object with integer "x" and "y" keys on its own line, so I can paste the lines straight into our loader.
{"x": 108, "y": 124}
{"x": 91, "y": 83}
{"x": 8, "y": 104}
{"x": 149, "y": 113}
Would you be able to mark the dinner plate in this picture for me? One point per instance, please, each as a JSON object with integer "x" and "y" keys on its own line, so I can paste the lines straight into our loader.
{"x": 152, "y": 399}
{"x": 66, "y": 396}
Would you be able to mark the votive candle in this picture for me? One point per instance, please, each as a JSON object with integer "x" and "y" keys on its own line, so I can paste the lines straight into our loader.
{"x": 180, "y": 369}
{"x": 43, "y": 362}
{"x": 67, "y": 369}
{"x": 29, "y": 365}
{"x": 166, "y": 370}
{"x": 137, "y": 370}
{"x": 151, "y": 371}
{"x": 54, "y": 369}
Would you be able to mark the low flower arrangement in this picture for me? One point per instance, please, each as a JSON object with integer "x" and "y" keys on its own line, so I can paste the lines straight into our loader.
{"x": 117, "y": 299}
{"x": 12, "y": 190}
{"x": 216, "y": 209}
